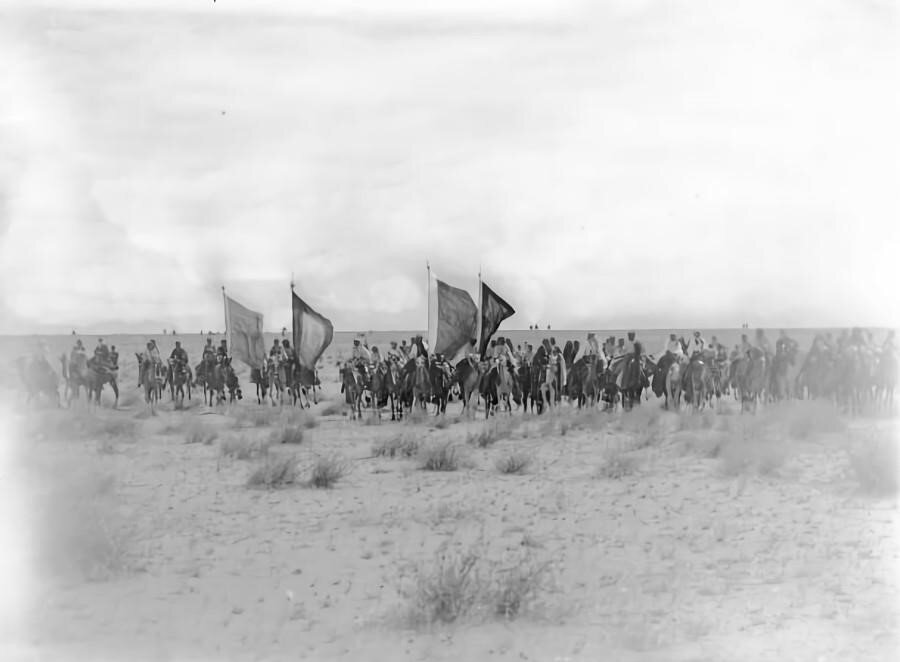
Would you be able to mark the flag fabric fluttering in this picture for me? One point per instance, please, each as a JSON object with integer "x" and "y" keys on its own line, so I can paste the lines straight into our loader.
{"x": 244, "y": 328}
{"x": 312, "y": 332}
{"x": 493, "y": 311}
{"x": 452, "y": 317}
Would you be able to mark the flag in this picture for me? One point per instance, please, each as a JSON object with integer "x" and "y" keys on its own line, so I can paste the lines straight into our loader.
{"x": 244, "y": 328}
{"x": 493, "y": 311}
{"x": 312, "y": 332}
{"x": 452, "y": 316}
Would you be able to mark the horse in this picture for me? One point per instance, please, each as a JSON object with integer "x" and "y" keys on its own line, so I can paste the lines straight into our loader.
{"x": 885, "y": 379}
{"x": 696, "y": 383}
{"x": 673, "y": 382}
{"x": 633, "y": 379}
{"x": 748, "y": 374}
{"x": 227, "y": 377}
{"x": 86, "y": 372}
{"x": 179, "y": 379}
{"x": 440, "y": 387}
{"x": 275, "y": 380}
{"x": 303, "y": 380}
{"x": 782, "y": 378}
{"x": 421, "y": 384}
{"x": 467, "y": 375}
{"x": 150, "y": 381}
{"x": 351, "y": 387}
{"x": 205, "y": 376}
{"x": 262, "y": 384}
{"x": 39, "y": 379}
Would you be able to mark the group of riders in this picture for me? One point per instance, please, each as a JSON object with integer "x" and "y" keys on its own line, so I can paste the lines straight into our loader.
{"x": 755, "y": 368}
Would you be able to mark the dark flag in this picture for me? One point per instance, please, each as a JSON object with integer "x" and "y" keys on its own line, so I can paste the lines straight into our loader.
{"x": 452, "y": 317}
{"x": 493, "y": 311}
{"x": 312, "y": 332}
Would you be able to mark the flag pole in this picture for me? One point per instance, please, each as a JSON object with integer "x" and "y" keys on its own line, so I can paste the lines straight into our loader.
{"x": 227, "y": 329}
{"x": 478, "y": 327}
{"x": 428, "y": 309}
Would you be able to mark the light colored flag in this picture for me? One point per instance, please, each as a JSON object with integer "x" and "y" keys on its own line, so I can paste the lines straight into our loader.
{"x": 244, "y": 328}
{"x": 312, "y": 332}
{"x": 452, "y": 317}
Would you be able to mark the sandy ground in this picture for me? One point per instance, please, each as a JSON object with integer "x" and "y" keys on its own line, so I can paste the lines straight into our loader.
{"x": 654, "y": 546}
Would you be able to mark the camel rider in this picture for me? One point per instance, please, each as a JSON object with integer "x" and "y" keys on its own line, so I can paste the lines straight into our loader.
{"x": 178, "y": 354}
{"x": 209, "y": 352}
{"x": 361, "y": 353}
{"x": 630, "y": 345}
{"x": 472, "y": 353}
{"x": 784, "y": 344}
{"x": 856, "y": 340}
{"x": 77, "y": 351}
{"x": 619, "y": 349}
{"x": 745, "y": 345}
{"x": 376, "y": 356}
{"x": 404, "y": 351}
{"x": 593, "y": 347}
{"x": 289, "y": 354}
{"x": 394, "y": 353}
{"x": 276, "y": 353}
{"x": 222, "y": 351}
{"x": 444, "y": 365}
{"x": 887, "y": 348}
{"x": 762, "y": 343}
{"x": 696, "y": 346}
{"x": 673, "y": 346}
{"x": 101, "y": 353}
{"x": 561, "y": 378}
{"x": 528, "y": 354}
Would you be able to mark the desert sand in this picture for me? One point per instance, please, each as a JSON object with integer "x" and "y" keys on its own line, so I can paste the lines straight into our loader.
{"x": 646, "y": 535}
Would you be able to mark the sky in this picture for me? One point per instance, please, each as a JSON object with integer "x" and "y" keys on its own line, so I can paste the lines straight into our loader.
{"x": 648, "y": 164}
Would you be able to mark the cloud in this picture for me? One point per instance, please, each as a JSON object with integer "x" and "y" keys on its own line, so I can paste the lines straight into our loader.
{"x": 678, "y": 163}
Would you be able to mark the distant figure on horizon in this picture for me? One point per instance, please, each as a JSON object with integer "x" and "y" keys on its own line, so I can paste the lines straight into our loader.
{"x": 548, "y": 327}
{"x": 73, "y": 332}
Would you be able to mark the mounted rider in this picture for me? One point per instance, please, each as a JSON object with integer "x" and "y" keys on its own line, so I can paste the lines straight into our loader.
{"x": 696, "y": 346}
{"x": 394, "y": 353}
{"x": 101, "y": 353}
{"x": 113, "y": 358}
{"x": 151, "y": 356}
{"x": 222, "y": 352}
{"x": 78, "y": 352}
{"x": 762, "y": 343}
{"x": 673, "y": 346}
{"x": 178, "y": 354}
{"x": 785, "y": 345}
{"x": 209, "y": 352}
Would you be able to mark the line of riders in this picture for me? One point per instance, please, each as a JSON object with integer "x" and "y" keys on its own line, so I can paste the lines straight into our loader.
{"x": 849, "y": 370}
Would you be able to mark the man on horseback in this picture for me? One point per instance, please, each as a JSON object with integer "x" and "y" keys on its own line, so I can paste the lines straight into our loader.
{"x": 394, "y": 354}
{"x": 360, "y": 353}
{"x": 113, "y": 358}
{"x": 101, "y": 353}
{"x": 696, "y": 346}
{"x": 222, "y": 352}
{"x": 178, "y": 354}
{"x": 277, "y": 353}
{"x": 77, "y": 352}
{"x": 785, "y": 345}
{"x": 673, "y": 346}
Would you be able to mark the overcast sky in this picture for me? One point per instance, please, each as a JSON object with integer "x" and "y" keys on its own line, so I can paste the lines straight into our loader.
{"x": 610, "y": 164}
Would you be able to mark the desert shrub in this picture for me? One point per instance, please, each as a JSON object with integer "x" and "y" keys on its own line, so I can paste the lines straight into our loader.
{"x": 298, "y": 417}
{"x": 197, "y": 433}
{"x": 81, "y": 532}
{"x": 327, "y": 471}
{"x": 616, "y": 465}
{"x": 491, "y": 432}
{"x": 517, "y": 588}
{"x": 274, "y": 472}
{"x": 333, "y": 408}
{"x": 241, "y": 448}
{"x": 287, "y": 434}
{"x": 448, "y": 590}
{"x": 876, "y": 465}
{"x": 440, "y": 456}
{"x": 401, "y": 445}
{"x": 256, "y": 418}
{"x": 464, "y": 584}
{"x": 513, "y": 463}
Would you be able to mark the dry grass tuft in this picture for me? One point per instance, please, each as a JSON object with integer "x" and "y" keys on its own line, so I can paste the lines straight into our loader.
{"x": 241, "y": 448}
{"x": 274, "y": 472}
{"x": 515, "y": 462}
{"x": 401, "y": 445}
{"x": 876, "y": 463}
{"x": 465, "y": 584}
{"x": 299, "y": 418}
{"x": 256, "y": 418}
{"x": 333, "y": 408}
{"x": 616, "y": 465}
{"x": 81, "y": 532}
{"x": 440, "y": 456}
{"x": 287, "y": 434}
{"x": 328, "y": 470}
{"x": 491, "y": 432}
{"x": 197, "y": 433}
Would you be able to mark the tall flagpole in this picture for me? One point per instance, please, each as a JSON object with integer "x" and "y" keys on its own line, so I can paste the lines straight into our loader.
{"x": 227, "y": 329}
{"x": 480, "y": 309}
{"x": 428, "y": 309}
